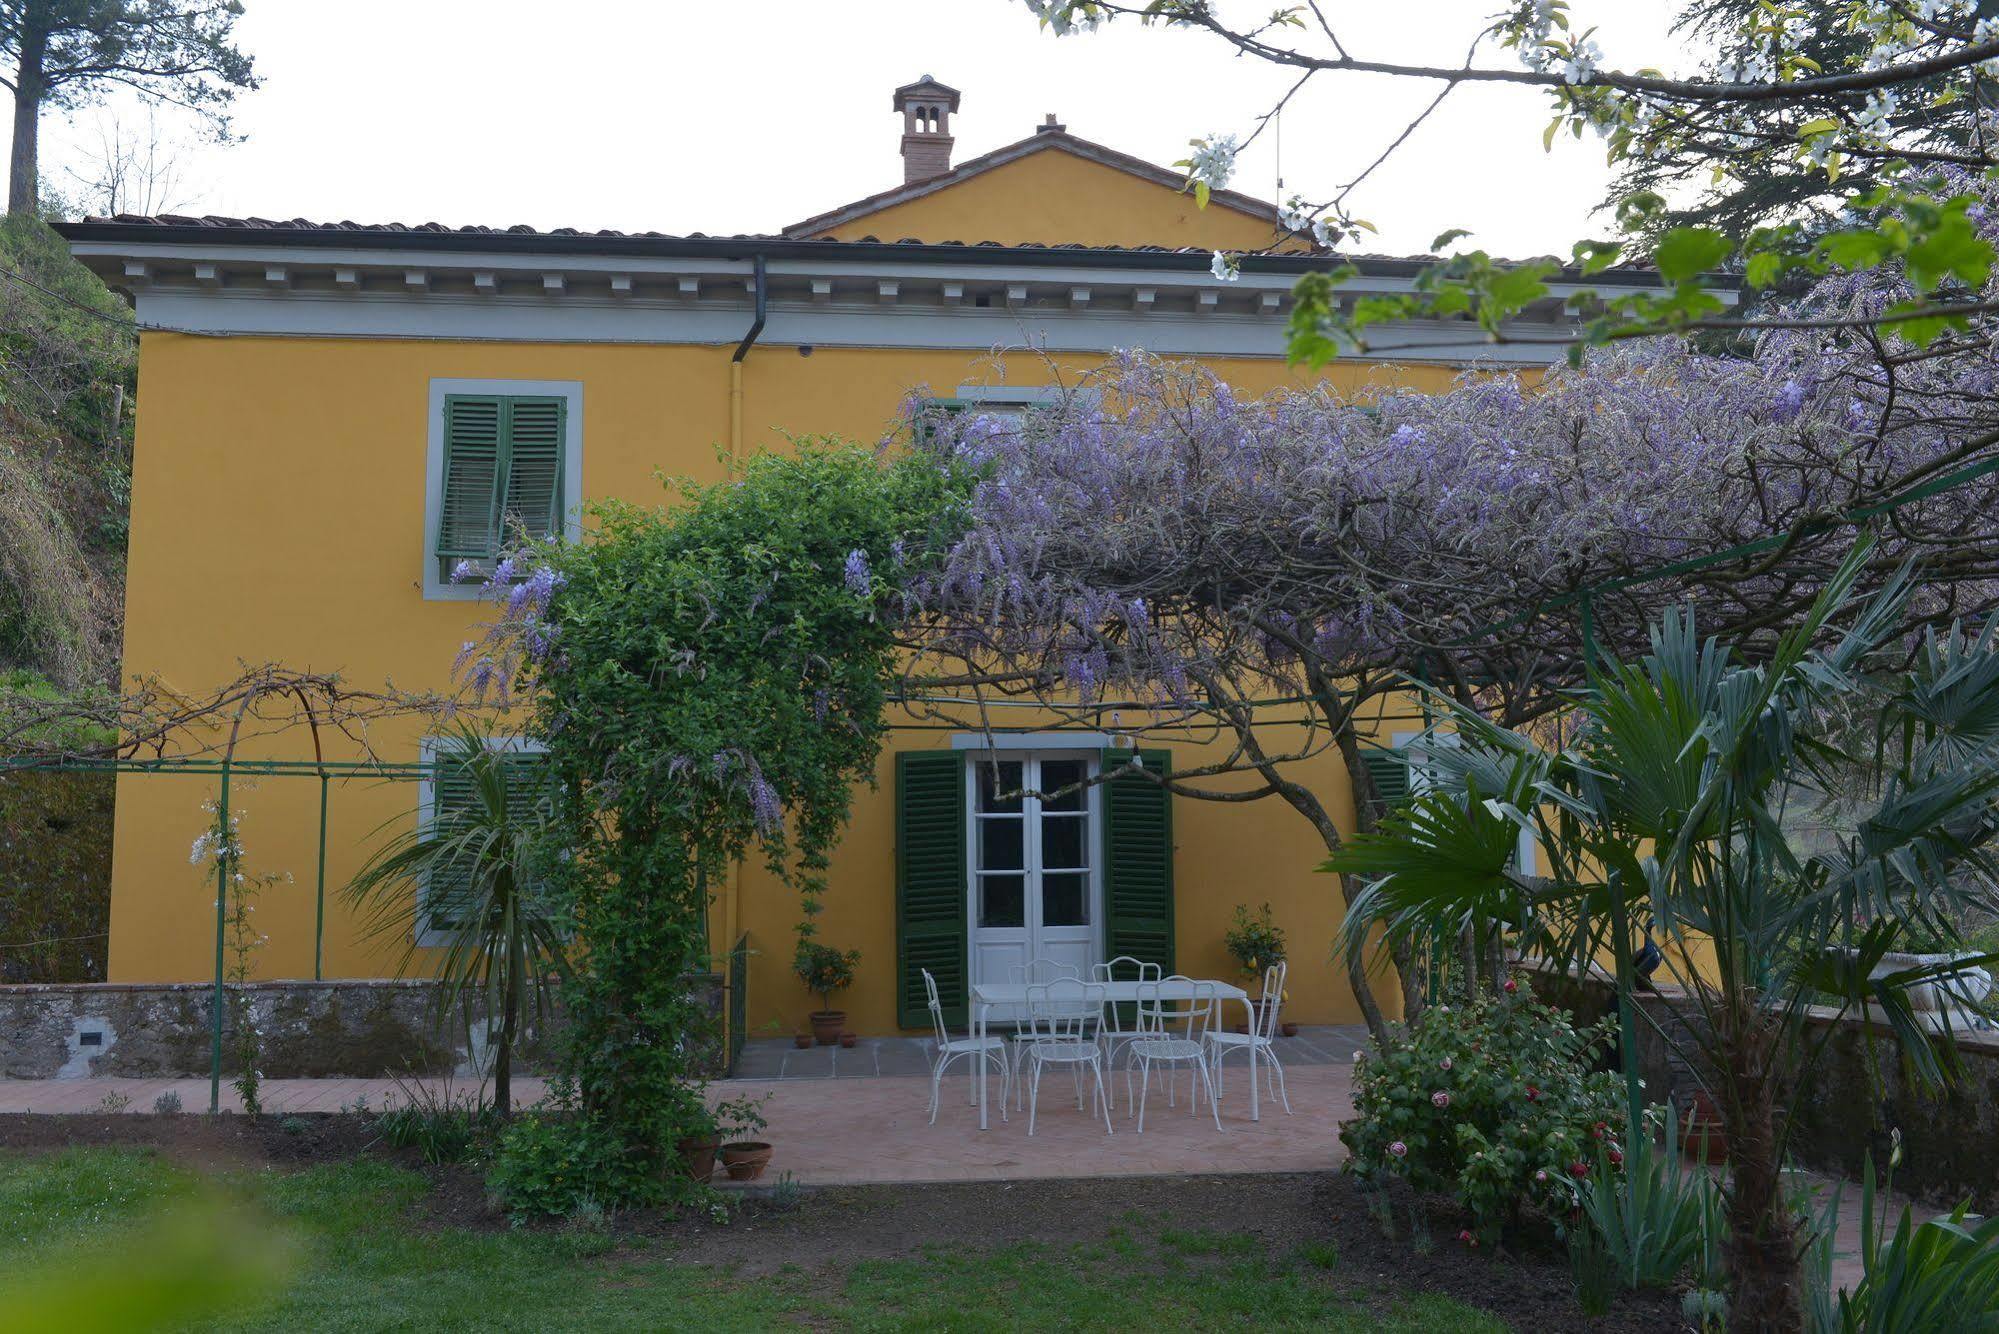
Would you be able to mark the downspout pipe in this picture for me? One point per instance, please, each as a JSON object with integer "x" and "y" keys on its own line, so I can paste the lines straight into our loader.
{"x": 762, "y": 289}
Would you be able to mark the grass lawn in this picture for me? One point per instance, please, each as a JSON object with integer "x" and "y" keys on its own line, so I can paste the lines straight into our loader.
{"x": 126, "y": 1224}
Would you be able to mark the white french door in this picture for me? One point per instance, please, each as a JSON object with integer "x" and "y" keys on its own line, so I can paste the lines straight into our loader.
{"x": 1036, "y": 891}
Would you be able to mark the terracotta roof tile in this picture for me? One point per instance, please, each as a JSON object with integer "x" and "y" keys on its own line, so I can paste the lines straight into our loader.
{"x": 1626, "y": 273}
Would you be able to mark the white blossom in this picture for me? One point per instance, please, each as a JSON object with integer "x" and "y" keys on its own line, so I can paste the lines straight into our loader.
{"x": 1213, "y": 161}
{"x": 1224, "y": 267}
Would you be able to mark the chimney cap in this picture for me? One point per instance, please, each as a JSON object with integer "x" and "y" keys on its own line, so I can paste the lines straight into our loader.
{"x": 926, "y": 87}
{"x": 1050, "y": 125}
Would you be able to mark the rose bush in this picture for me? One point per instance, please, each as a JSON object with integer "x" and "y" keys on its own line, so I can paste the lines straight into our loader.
{"x": 1497, "y": 1102}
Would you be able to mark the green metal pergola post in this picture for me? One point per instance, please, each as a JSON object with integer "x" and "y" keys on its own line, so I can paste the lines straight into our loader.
{"x": 319, "y": 919}
{"x": 223, "y": 857}
{"x": 1620, "y": 930}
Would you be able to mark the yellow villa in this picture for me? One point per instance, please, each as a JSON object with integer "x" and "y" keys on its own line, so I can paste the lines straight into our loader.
{"x": 326, "y": 411}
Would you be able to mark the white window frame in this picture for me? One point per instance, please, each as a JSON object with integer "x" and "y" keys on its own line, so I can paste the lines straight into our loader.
{"x": 1053, "y": 746}
{"x": 426, "y": 812}
{"x": 436, "y": 586}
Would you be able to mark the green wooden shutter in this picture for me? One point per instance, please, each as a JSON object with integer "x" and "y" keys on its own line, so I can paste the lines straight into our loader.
{"x": 447, "y": 892}
{"x": 503, "y": 466}
{"x": 930, "y": 883}
{"x": 1137, "y": 818}
{"x": 534, "y": 499}
{"x": 1389, "y": 769}
{"x": 474, "y": 446}
{"x": 453, "y": 793}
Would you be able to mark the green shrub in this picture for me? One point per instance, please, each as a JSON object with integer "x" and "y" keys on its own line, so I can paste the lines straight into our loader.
{"x": 1657, "y": 1218}
{"x": 442, "y": 1129}
{"x": 1939, "y": 1274}
{"x": 1495, "y": 1102}
{"x": 551, "y": 1164}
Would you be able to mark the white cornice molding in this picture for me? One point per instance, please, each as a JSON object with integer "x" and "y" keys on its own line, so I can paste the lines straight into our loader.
{"x": 857, "y": 320}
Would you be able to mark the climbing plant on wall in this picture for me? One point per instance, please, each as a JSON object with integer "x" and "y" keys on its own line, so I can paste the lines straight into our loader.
{"x": 710, "y": 679}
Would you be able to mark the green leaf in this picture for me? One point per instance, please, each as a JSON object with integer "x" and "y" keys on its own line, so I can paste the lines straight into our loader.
{"x": 1596, "y": 256}
{"x": 1858, "y": 249}
{"x": 1688, "y": 252}
{"x": 1446, "y": 237}
{"x": 1764, "y": 269}
{"x": 1953, "y": 250}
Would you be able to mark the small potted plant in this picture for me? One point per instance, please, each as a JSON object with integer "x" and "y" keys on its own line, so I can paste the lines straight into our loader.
{"x": 736, "y": 1119}
{"x": 825, "y": 970}
{"x": 697, "y": 1148}
{"x": 1255, "y": 943}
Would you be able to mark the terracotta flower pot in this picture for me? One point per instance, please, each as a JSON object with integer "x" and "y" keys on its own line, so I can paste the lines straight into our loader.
{"x": 1288, "y": 1029}
{"x": 1702, "y": 1126}
{"x": 697, "y": 1156}
{"x": 745, "y": 1160}
{"x": 849, "y": 1039}
{"x": 802, "y": 1041}
{"x": 827, "y": 1025}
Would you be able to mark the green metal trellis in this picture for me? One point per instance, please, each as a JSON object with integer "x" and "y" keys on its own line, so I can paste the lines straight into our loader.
{"x": 227, "y": 769}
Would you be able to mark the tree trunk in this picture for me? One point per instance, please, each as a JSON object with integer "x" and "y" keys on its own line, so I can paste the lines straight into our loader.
{"x": 1763, "y": 1257}
{"x": 503, "y": 1062}
{"x": 1468, "y": 960}
{"x": 24, "y": 162}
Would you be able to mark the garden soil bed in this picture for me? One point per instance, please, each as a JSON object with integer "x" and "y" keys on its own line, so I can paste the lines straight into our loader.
{"x": 842, "y": 1225}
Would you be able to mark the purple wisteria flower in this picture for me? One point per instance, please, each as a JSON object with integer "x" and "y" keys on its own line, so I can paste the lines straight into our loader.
{"x": 858, "y": 579}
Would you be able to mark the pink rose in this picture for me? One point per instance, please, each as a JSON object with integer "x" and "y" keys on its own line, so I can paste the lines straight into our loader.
{"x": 1440, "y": 1099}
{"x": 1444, "y": 1064}
{"x": 1511, "y": 986}
{"x": 1399, "y": 1149}
{"x": 1541, "y": 1175}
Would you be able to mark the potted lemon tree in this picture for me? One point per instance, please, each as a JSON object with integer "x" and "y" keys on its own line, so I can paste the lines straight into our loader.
{"x": 1255, "y": 943}
{"x": 825, "y": 970}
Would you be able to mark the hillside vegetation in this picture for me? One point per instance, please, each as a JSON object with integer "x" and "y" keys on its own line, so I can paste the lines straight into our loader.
{"x": 68, "y": 362}
{"x": 68, "y": 366}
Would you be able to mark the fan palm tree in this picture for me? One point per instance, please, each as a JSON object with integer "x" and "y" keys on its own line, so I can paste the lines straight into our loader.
{"x": 1785, "y": 821}
{"x": 465, "y": 894}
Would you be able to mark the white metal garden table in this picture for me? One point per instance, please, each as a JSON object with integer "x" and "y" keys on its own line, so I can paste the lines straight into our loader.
{"x": 987, "y": 996}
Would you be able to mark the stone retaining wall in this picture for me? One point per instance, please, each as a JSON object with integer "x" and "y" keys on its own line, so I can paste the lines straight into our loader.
{"x": 356, "y": 1029}
{"x": 1857, "y": 1090}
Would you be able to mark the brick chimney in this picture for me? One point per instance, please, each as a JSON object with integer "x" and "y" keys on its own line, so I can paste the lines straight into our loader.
{"x": 926, "y": 108}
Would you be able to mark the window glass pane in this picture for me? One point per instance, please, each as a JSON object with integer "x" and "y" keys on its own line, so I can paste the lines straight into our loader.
{"x": 1002, "y": 900}
{"x": 1062, "y": 841}
{"x": 1058, "y": 774}
{"x": 1065, "y": 900}
{"x": 1001, "y": 844}
{"x": 996, "y": 781}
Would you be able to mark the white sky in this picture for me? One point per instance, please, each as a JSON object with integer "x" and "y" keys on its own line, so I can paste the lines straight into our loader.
{"x": 678, "y": 116}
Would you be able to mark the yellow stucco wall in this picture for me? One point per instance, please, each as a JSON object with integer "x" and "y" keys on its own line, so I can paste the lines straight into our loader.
{"x": 1053, "y": 197}
{"x": 278, "y": 501}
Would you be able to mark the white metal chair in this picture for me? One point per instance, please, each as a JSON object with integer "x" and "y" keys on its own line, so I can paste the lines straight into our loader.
{"x": 950, "y": 1049}
{"x": 1171, "y": 1032}
{"x": 1037, "y": 970}
{"x": 1062, "y": 1022}
{"x": 1124, "y": 968}
{"x": 1259, "y": 1040}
